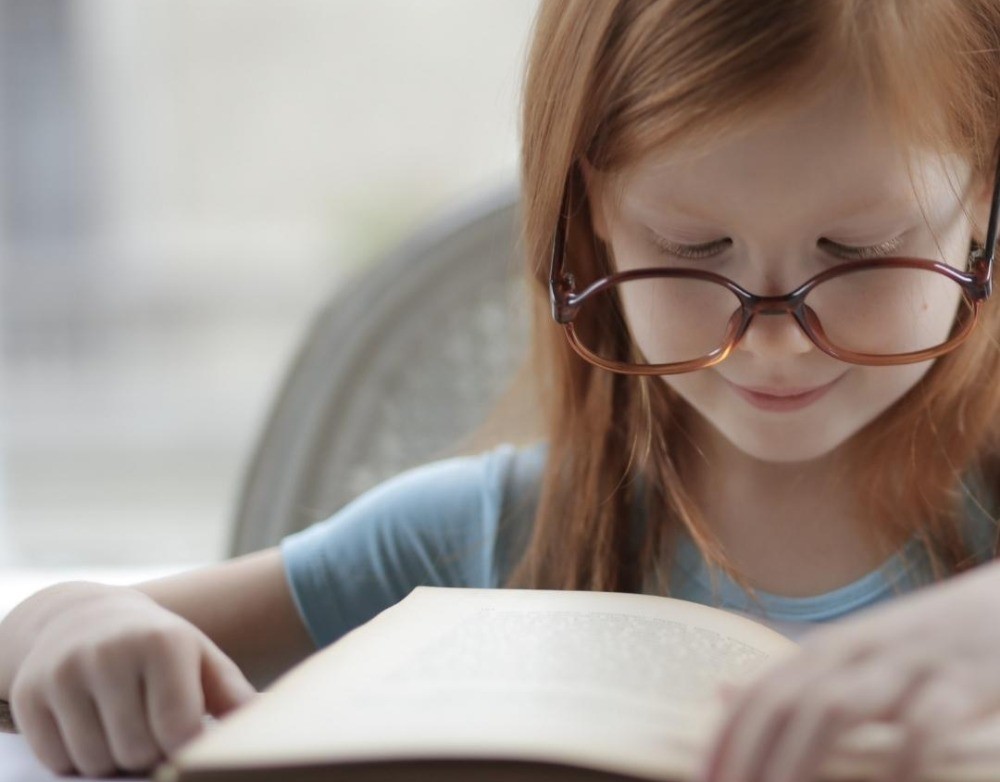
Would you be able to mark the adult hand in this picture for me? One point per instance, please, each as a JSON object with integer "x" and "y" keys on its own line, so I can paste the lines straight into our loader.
{"x": 929, "y": 661}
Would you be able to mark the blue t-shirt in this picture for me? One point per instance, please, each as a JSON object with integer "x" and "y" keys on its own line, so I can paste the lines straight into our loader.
{"x": 463, "y": 522}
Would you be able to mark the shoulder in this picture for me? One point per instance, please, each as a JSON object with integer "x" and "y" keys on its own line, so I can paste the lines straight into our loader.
{"x": 453, "y": 522}
{"x": 444, "y": 518}
{"x": 486, "y": 482}
{"x": 482, "y": 502}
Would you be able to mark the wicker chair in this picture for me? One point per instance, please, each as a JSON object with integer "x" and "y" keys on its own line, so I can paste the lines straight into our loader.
{"x": 397, "y": 367}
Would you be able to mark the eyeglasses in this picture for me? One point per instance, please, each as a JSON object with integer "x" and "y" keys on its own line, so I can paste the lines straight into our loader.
{"x": 875, "y": 312}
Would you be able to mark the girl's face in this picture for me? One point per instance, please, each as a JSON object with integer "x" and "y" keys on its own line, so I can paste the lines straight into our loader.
{"x": 769, "y": 209}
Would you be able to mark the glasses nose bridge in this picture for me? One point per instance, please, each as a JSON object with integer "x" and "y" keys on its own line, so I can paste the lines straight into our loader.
{"x": 788, "y": 304}
{"x": 773, "y": 305}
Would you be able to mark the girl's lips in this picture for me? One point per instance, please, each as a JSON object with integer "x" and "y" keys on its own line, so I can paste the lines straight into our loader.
{"x": 783, "y": 399}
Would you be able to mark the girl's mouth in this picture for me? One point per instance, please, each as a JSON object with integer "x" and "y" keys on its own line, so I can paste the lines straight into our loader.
{"x": 782, "y": 400}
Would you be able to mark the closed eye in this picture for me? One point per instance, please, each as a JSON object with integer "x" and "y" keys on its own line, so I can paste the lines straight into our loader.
{"x": 869, "y": 251}
{"x": 708, "y": 249}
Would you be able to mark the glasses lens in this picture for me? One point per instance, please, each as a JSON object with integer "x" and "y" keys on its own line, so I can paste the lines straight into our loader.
{"x": 670, "y": 320}
{"x": 880, "y": 312}
{"x": 886, "y": 311}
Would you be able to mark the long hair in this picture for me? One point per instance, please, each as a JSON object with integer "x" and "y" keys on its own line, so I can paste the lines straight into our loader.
{"x": 612, "y": 81}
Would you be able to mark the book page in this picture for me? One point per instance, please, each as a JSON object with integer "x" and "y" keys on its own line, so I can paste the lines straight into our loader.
{"x": 617, "y": 681}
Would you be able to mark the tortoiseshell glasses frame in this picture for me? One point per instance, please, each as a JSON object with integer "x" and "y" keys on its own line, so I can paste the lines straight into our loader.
{"x": 977, "y": 285}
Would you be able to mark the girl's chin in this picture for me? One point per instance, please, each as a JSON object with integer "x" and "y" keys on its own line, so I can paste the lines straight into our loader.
{"x": 784, "y": 448}
{"x": 786, "y": 457}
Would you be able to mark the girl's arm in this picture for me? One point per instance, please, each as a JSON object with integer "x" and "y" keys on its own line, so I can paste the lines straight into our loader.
{"x": 245, "y": 606}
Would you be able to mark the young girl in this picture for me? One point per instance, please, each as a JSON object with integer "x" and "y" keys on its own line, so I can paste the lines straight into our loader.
{"x": 760, "y": 239}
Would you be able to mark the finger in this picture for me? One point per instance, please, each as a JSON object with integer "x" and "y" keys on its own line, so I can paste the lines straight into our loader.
{"x": 749, "y": 733}
{"x": 174, "y": 698}
{"x": 121, "y": 703}
{"x": 226, "y": 687}
{"x": 756, "y": 728}
{"x": 824, "y": 714}
{"x": 81, "y": 728}
{"x": 39, "y": 727}
{"x": 940, "y": 707}
{"x": 799, "y": 751}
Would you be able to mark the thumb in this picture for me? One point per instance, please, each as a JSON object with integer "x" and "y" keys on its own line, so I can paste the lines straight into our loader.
{"x": 224, "y": 685}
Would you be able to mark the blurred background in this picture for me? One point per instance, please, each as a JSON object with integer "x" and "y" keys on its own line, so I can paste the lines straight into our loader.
{"x": 184, "y": 181}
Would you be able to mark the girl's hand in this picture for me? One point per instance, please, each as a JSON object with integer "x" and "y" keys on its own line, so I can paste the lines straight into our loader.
{"x": 112, "y": 680}
{"x": 929, "y": 661}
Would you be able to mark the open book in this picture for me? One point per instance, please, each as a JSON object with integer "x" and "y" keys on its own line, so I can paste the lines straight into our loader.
{"x": 512, "y": 684}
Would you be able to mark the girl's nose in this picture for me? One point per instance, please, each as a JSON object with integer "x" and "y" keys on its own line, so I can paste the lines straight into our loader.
{"x": 775, "y": 336}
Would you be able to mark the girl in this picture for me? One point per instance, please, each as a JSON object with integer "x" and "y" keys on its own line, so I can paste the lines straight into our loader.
{"x": 760, "y": 239}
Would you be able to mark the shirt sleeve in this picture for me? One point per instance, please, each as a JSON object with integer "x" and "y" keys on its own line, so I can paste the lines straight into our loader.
{"x": 434, "y": 525}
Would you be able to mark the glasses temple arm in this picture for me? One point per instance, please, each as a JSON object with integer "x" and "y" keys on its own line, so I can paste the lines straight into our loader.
{"x": 989, "y": 248}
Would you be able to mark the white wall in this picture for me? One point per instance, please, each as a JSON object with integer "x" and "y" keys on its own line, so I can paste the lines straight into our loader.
{"x": 242, "y": 157}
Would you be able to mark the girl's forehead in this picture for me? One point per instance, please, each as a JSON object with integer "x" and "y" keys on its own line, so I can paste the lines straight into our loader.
{"x": 834, "y": 141}
{"x": 841, "y": 182}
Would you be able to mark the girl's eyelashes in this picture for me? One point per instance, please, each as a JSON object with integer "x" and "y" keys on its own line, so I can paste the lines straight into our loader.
{"x": 871, "y": 251}
{"x": 691, "y": 251}
{"x": 696, "y": 251}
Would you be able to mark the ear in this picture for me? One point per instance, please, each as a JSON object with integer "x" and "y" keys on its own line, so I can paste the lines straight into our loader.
{"x": 594, "y": 184}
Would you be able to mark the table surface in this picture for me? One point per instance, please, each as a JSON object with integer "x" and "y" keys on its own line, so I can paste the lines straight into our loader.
{"x": 17, "y": 760}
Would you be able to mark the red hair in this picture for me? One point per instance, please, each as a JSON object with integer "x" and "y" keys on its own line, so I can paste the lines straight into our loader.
{"x": 614, "y": 81}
